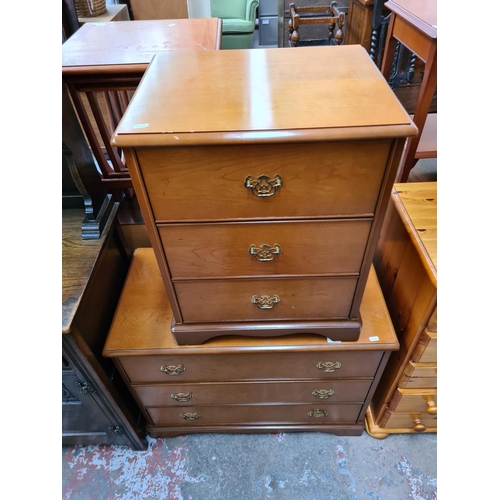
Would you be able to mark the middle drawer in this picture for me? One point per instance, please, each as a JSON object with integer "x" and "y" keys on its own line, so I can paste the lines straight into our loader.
{"x": 234, "y": 393}
{"x": 264, "y": 249}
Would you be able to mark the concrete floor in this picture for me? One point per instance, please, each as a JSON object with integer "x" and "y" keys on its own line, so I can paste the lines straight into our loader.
{"x": 286, "y": 466}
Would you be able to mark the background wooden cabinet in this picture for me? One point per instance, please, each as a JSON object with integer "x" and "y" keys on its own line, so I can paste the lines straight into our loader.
{"x": 158, "y": 9}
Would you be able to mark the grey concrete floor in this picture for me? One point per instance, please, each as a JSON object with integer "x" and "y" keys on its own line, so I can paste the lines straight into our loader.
{"x": 286, "y": 466}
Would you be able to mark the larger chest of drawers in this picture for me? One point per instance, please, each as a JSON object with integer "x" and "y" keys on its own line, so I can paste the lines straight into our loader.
{"x": 243, "y": 384}
{"x": 263, "y": 177}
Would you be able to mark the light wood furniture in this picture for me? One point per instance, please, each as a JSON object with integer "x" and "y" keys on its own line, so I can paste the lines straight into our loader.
{"x": 359, "y": 23}
{"x": 414, "y": 24}
{"x": 102, "y": 64}
{"x": 143, "y": 10}
{"x": 114, "y": 12}
{"x": 406, "y": 263}
{"x": 96, "y": 405}
{"x": 263, "y": 204}
{"x": 243, "y": 384}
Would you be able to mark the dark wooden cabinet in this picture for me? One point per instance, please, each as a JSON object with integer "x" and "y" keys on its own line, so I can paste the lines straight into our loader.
{"x": 96, "y": 406}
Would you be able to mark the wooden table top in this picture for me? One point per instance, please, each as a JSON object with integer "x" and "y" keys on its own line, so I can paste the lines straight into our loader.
{"x": 78, "y": 260}
{"x": 262, "y": 95}
{"x": 96, "y": 46}
{"x": 420, "y": 13}
{"x": 416, "y": 203}
{"x": 143, "y": 318}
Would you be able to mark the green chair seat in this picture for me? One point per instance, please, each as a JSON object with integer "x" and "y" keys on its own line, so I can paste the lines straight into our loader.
{"x": 237, "y": 26}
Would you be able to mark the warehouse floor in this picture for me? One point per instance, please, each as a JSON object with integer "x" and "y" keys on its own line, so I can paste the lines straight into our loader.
{"x": 290, "y": 466}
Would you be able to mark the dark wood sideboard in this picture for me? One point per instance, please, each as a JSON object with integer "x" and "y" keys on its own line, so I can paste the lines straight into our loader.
{"x": 96, "y": 406}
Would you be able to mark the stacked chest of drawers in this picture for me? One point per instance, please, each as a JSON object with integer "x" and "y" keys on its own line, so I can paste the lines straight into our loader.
{"x": 406, "y": 262}
{"x": 296, "y": 382}
{"x": 263, "y": 195}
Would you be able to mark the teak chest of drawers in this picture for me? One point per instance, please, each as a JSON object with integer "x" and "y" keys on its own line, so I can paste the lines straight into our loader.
{"x": 406, "y": 264}
{"x": 243, "y": 384}
{"x": 263, "y": 177}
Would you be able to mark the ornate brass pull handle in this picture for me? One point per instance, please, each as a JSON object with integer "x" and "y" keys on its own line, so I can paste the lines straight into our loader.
{"x": 323, "y": 393}
{"x": 263, "y": 185}
{"x": 328, "y": 366}
{"x": 172, "y": 370}
{"x": 264, "y": 253}
{"x": 318, "y": 413}
{"x": 189, "y": 416}
{"x": 182, "y": 396}
{"x": 265, "y": 301}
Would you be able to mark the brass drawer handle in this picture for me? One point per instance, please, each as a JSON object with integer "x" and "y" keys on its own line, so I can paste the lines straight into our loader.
{"x": 189, "y": 416}
{"x": 323, "y": 393}
{"x": 182, "y": 396}
{"x": 172, "y": 370}
{"x": 318, "y": 413}
{"x": 328, "y": 366}
{"x": 265, "y": 301}
{"x": 264, "y": 253}
{"x": 263, "y": 185}
{"x": 418, "y": 425}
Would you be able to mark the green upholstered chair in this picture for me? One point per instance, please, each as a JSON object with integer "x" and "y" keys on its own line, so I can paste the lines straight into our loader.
{"x": 238, "y": 21}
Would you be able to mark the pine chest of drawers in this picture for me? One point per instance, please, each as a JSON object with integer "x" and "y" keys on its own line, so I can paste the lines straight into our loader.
{"x": 406, "y": 262}
{"x": 243, "y": 384}
{"x": 263, "y": 177}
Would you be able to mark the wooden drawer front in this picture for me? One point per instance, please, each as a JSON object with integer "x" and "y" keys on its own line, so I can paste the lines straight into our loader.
{"x": 234, "y": 367}
{"x": 231, "y": 300}
{"x": 414, "y": 400}
{"x": 418, "y": 375}
{"x": 426, "y": 349}
{"x": 208, "y": 183}
{"x": 407, "y": 421}
{"x": 264, "y": 414}
{"x": 254, "y": 393}
{"x": 220, "y": 250}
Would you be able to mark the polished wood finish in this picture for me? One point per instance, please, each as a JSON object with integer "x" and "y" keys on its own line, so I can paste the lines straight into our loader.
{"x": 414, "y": 24}
{"x": 242, "y": 383}
{"x": 221, "y": 249}
{"x": 158, "y": 9}
{"x": 102, "y": 65}
{"x": 406, "y": 264}
{"x": 203, "y": 168}
{"x": 96, "y": 406}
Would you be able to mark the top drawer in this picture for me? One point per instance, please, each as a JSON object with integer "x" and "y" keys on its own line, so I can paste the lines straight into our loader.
{"x": 305, "y": 180}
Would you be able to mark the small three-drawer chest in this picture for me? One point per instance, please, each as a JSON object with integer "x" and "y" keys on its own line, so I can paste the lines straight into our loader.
{"x": 263, "y": 177}
{"x": 406, "y": 263}
{"x": 287, "y": 383}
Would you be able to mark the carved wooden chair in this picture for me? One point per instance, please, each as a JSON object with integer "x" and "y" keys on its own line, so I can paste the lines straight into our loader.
{"x": 319, "y": 14}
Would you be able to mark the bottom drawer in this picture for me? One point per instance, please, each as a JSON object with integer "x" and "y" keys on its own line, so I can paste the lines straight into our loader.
{"x": 282, "y": 414}
{"x": 418, "y": 422}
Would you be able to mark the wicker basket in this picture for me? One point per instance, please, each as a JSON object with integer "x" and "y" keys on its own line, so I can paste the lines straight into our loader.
{"x": 90, "y": 8}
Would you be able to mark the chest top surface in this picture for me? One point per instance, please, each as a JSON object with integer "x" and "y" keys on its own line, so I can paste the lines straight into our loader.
{"x": 136, "y": 42}
{"x": 262, "y": 95}
{"x": 416, "y": 203}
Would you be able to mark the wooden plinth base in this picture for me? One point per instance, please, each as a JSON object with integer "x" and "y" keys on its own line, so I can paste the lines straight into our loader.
{"x": 338, "y": 430}
{"x": 198, "y": 333}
